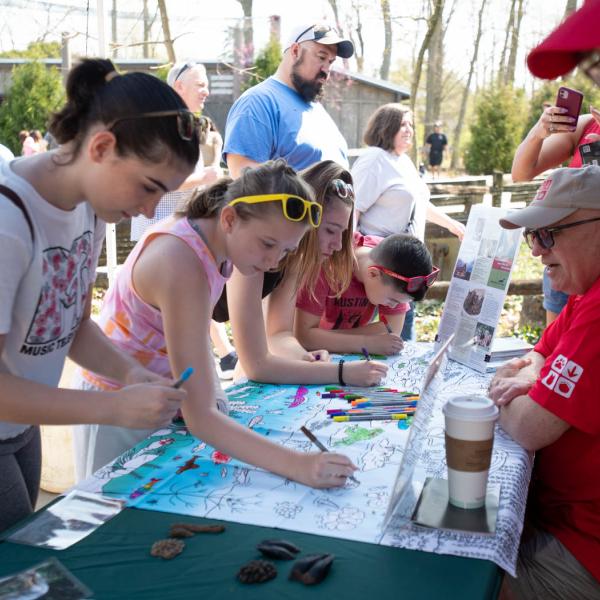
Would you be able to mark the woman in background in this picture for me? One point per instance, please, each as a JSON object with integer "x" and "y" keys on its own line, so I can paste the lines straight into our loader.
{"x": 391, "y": 197}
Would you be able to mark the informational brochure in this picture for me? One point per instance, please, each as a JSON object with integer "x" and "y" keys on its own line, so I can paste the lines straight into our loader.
{"x": 478, "y": 287}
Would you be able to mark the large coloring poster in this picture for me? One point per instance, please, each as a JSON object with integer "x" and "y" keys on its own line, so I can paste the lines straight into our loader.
{"x": 171, "y": 471}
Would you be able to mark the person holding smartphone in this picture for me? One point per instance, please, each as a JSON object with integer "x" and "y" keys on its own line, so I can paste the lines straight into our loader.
{"x": 556, "y": 138}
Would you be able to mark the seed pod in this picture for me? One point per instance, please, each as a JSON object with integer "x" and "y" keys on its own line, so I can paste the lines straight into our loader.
{"x": 319, "y": 570}
{"x": 274, "y": 551}
{"x": 312, "y": 569}
{"x": 167, "y": 549}
{"x": 180, "y": 532}
{"x": 284, "y": 544}
{"x": 257, "y": 571}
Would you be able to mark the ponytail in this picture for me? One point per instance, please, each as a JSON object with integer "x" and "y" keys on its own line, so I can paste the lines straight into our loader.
{"x": 207, "y": 203}
{"x": 97, "y": 94}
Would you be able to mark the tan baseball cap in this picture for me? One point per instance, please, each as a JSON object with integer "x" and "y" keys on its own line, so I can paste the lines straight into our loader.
{"x": 322, "y": 34}
{"x": 561, "y": 194}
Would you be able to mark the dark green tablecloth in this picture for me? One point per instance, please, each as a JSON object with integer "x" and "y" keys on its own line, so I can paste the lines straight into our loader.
{"x": 116, "y": 564}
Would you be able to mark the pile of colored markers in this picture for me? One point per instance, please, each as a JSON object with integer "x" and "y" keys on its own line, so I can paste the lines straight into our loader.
{"x": 377, "y": 404}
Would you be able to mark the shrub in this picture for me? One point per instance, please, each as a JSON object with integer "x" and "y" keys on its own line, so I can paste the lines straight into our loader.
{"x": 35, "y": 93}
{"x": 496, "y": 130}
{"x": 265, "y": 64}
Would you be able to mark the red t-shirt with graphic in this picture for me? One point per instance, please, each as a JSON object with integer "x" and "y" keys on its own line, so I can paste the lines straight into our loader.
{"x": 565, "y": 493}
{"x": 352, "y": 308}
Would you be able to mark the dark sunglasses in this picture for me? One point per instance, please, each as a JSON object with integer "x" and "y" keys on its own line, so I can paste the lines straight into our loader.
{"x": 342, "y": 189}
{"x": 545, "y": 235}
{"x": 413, "y": 284}
{"x": 188, "y": 123}
{"x": 188, "y": 65}
{"x": 320, "y": 31}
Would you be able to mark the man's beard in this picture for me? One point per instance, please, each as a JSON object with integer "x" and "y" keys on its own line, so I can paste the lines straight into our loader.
{"x": 310, "y": 89}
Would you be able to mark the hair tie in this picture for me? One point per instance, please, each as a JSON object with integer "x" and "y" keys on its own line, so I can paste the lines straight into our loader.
{"x": 110, "y": 76}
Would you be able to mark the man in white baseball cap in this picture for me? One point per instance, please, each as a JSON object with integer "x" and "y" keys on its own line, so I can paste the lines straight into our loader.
{"x": 282, "y": 117}
{"x": 550, "y": 400}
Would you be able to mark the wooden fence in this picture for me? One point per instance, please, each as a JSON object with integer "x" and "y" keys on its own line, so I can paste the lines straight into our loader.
{"x": 454, "y": 196}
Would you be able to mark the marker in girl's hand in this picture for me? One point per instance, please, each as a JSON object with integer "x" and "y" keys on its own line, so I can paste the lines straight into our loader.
{"x": 365, "y": 353}
{"x": 383, "y": 319}
{"x": 183, "y": 377}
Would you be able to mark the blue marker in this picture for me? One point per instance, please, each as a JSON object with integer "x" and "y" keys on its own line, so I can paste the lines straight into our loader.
{"x": 183, "y": 377}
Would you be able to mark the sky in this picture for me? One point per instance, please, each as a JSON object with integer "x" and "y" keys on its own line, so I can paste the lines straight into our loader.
{"x": 202, "y": 28}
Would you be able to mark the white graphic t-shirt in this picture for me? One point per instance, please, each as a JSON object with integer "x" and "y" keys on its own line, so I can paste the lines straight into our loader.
{"x": 44, "y": 282}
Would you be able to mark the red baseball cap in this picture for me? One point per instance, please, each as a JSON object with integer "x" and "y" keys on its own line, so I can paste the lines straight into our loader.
{"x": 562, "y": 50}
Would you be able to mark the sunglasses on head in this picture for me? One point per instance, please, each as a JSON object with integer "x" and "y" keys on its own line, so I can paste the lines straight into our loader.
{"x": 294, "y": 207}
{"x": 413, "y": 284}
{"x": 320, "y": 31}
{"x": 342, "y": 189}
{"x": 187, "y": 122}
{"x": 545, "y": 235}
{"x": 188, "y": 65}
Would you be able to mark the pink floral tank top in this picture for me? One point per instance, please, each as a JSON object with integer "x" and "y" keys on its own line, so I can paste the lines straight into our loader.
{"x": 135, "y": 326}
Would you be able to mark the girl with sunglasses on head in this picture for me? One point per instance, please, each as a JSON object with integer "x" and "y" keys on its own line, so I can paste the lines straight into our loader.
{"x": 388, "y": 273}
{"x": 267, "y": 348}
{"x": 160, "y": 307}
{"x": 110, "y": 164}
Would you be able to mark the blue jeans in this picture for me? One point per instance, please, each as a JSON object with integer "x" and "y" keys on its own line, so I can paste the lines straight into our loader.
{"x": 408, "y": 330}
{"x": 553, "y": 300}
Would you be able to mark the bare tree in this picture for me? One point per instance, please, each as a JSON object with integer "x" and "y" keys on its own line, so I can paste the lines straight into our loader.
{"x": 436, "y": 15}
{"x": 570, "y": 7}
{"x": 465, "y": 97}
{"x": 336, "y": 14}
{"x": 359, "y": 43}
{"x": 248, "y": 48}
{"x": 164, "y": 17}
{"x": 384, "y": 71}
{"x": 509, "y": 74}
{"x": 509, "y": 28}
{"x": 435, "y": 68}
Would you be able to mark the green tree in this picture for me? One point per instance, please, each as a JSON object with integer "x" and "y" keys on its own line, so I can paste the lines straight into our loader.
{"x": 496, "y": 130}
{"x": 265, "y": 64}
{"x": 35, "y": 50}
{"x": 35, "y": 93}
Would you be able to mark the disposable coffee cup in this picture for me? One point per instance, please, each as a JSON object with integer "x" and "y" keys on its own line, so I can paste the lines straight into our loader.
{"x": 469, "y": 440}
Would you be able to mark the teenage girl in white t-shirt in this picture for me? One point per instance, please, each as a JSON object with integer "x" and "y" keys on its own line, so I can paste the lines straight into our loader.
{"x": 125, "y": 140}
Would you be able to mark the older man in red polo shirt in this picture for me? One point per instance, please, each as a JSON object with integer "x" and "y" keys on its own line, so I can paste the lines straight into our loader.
{"x": 550, "y": 399}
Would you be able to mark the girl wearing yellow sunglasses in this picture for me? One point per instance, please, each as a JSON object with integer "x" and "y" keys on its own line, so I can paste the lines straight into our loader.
{"x": 160, "y": 307}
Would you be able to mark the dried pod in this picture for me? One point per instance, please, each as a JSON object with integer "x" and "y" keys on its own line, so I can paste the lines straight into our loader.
{"x": 274, "y": 551}
{"x": 257, "y": 571}
{"x": 312, "y": 569}
{"x": 319, "y": 570}
{"x": 284, "y": 544}
{"x": 193, "y": 527}
{"x": 167, "y": 549}
{"x": 180, "y": 532}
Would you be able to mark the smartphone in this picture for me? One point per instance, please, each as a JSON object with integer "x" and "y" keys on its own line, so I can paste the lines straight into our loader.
{"x": 590, "y": 153}
{"x": 571, "y": 100}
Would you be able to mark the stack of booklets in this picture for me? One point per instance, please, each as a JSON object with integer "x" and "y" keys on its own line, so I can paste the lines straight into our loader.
{"x": 505, "y": 348}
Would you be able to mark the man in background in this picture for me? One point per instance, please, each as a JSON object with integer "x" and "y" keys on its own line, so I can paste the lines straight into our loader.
{"x": 190, "y": 81}
{"x": 435, "y": 146}
{"x": 282, "y": 116}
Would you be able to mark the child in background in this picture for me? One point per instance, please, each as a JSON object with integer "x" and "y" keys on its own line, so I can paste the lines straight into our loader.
{"x": 125, "y": 140}
{"x": 269, "y": 351}
{"x": 160, "y": 307}
{"x": 388, "y": 274}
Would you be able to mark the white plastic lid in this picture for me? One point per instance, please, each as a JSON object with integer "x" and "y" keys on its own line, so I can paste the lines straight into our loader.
{"x": 471, "y": 408}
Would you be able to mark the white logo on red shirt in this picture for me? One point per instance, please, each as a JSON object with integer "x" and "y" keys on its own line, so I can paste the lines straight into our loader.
{"x": 563, "y": 376}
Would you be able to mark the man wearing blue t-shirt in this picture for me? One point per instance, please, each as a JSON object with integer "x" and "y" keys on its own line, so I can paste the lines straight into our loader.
{"x": 282, "y": 116}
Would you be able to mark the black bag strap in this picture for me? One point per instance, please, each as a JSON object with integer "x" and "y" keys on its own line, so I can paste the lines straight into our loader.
{"x": 14, "y": 198}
